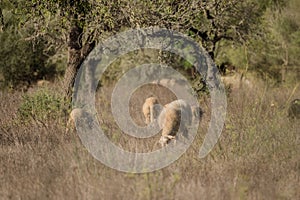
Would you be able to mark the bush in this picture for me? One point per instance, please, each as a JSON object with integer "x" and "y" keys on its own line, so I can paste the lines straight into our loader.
{"x": 23, "y": 62}
{"x": 41, "y": 105}
{"x": 24, "y": 57}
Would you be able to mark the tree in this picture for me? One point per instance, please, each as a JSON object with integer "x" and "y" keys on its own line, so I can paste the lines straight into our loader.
{"x": 22, "y": 62}
{"x": 85, "y": 22}
{"x": 277, "y": 47}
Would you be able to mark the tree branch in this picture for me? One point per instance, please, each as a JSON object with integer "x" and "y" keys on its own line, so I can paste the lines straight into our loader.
{"x": 202, "y": 35}
{"x": 1, "y": 20}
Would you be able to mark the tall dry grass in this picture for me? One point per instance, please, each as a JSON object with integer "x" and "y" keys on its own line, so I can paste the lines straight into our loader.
{"x": 257, "y": 156}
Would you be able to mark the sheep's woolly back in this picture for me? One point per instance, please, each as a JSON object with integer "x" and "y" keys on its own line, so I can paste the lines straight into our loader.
{"x": 186, "y": 112}
{"x": 236, "y": 81}
{"x": 169, "y": 121}
{"x": 170, "y": 118}
{"x": 148, "y": 109}
{"x": 170, "y": 82}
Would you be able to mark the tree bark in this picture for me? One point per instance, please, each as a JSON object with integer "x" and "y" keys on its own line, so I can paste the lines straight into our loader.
{"x": 74, "y": 60}
{"x": 77, "y": 52}
{"x": 1, "y": 20}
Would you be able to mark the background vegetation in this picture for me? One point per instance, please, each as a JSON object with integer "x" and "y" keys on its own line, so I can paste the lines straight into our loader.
{"x": 54, "y": 37}
{"x": 257, "y": 156}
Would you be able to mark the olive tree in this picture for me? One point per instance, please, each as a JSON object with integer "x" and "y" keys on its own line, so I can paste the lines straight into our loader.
{"x": 80, "y": 24}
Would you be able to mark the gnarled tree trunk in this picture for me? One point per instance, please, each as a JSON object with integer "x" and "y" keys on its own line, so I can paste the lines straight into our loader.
{"x": 77, "y": 52}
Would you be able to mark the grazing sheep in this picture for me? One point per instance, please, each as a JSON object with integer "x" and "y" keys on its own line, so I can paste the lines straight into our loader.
{"x": 42, "y": 83}
{"x": 169, "y": 82}
{"x": 237, "y": 81}
{"x": 294, "y": 109}
{"x": 78, "y": 115}
{"x": 75, "y": 114}
{"x": 148, "y": 109}
{"x": 165, "y": 82}
{"x": 169, "y": 121}
{"x": 170, "y": 118}
{"x": 196, "y": 113}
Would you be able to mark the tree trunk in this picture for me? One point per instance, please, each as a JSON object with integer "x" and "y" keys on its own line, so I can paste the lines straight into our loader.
{"x": 283, "y": 73}
{"x": 211, "y": 53}
{"x": 1, "y": 20}
{"x": 77, "y": 52}
{"x": 71, "y": 72}
{"x": 74, "y": 60}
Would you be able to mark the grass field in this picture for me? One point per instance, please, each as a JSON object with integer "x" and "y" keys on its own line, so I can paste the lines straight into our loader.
{"x": 257, "y": 155}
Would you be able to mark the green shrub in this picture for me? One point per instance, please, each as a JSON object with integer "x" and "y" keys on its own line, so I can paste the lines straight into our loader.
{"x": 23, "y": 62}
{"x": 24, "y": 59}
{"x": 41, "y": 105}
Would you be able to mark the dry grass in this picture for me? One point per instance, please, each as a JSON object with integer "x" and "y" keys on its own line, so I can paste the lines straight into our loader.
{"x": 257, "y": 156}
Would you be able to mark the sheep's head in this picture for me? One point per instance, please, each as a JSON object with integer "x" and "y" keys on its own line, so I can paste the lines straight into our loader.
{"x": 164, "y": 140}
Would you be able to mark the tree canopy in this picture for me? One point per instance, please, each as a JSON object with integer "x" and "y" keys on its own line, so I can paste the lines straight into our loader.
{"x": 79, "y": 25}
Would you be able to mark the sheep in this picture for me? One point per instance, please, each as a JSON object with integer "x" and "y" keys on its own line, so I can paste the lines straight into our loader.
{"x": 237, "y": 81}
{"x": 165, "y": 82}
{"x": 42, "y": 83}
{"x": 79, "y": 115}
{"x": 170, "y": 83}
{"x": 148, "y": 109}
{"x": 294, "y": 109}
{"x": 75, "y": 114}
{"x": 171, "y": 117}
{"x": 169, "y": 121}
{"x": 196, "y": 113}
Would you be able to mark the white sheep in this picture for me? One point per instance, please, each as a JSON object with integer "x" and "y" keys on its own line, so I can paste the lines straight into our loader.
{"x": 237, "y": 81}
{"x": 149, "y": 111}
{"x": 171, "y": 117}
{"x": 170, "y": 83}
{"x": 79, "y": 115}
{"x": 75, "y": 114}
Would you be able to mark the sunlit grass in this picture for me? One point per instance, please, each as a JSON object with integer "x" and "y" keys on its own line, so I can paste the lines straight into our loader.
{"x": 257, "y": 155}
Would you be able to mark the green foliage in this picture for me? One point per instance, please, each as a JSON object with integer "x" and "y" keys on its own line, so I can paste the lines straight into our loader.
{"x": 41, "y": 105}
{"x": 279, "y": 44}
{"x": 250, "y": 34}
{"x": 272, "y": 49}
{"x": 208, "y": 21}
{"x": 23, "y": 60}
{"x": 231, "y": 53}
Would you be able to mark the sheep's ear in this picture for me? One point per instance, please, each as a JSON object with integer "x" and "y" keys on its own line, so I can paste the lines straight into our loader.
{"x": 170, "y": 137}
{"x": 161, "y": 142}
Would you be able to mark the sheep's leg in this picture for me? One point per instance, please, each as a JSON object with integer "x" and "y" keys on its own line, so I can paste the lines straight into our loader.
{"x": 69, "y": 123}
{"x": 185, "y": 133}
{"x": 170, "y": 137}
{"x": 151, "y": 114}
